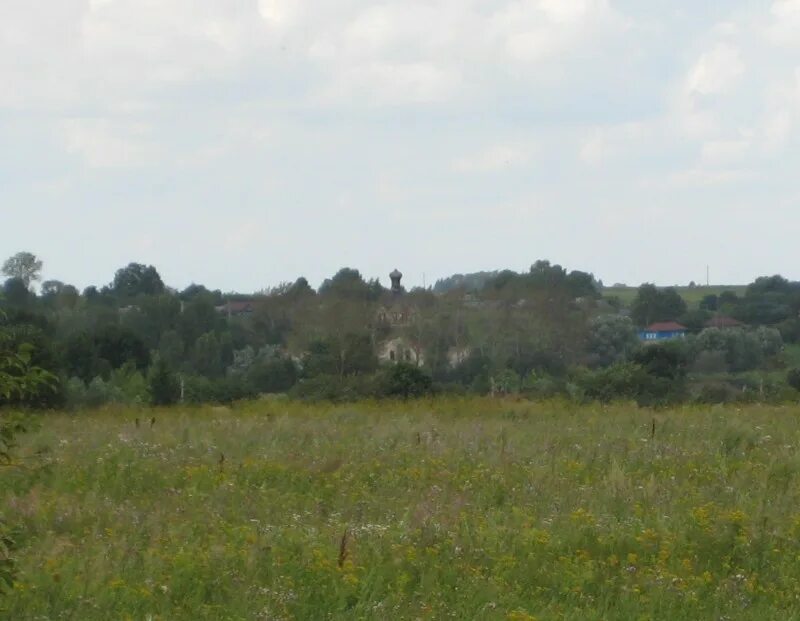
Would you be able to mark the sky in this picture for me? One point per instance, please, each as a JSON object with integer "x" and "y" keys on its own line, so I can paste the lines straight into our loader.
{"x": 245, "y": 143}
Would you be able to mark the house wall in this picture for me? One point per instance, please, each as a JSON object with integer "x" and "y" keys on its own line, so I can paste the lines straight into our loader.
{"x": 649, "y": 337}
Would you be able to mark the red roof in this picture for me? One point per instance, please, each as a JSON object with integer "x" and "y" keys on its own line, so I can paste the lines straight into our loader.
{"x": 723, "y": 322}
{"x": 666, "y": 326}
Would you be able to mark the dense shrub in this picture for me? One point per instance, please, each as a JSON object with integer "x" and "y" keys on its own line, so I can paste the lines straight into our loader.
{"x": 271, "y": 375}
{"x": 405, "y": 380}
{"x": 622, "y": 381}
{"x": 199, "y": 389}
{"x": 743, "y": 350}
{"x": 336, "y": 388}
{"x": 536, "y": 386}
{"x": 163, "y": 384}
{"x": 793, "y": 378}
{"x": 716, "y": 391}
{"x": 506, "y": 382}
{"x": 612, "y": 339}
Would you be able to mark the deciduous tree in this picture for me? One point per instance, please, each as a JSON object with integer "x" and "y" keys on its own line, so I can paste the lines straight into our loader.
{"x": 25, "y": 266}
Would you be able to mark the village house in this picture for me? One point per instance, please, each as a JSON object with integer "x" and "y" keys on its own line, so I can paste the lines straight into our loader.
{"x": 663, "y": 331}
{"x": 722, "y": 322}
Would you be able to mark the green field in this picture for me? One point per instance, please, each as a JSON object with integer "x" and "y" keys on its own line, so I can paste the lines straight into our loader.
{"x": 692, "y": 295}
{"x": 444, "y": 509}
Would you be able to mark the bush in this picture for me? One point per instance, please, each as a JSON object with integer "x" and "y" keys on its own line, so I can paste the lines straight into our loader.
{"x": 199, "y": 389}
{"x": 612, "y": 339}
{"x": 506, "y": 382}
{"x": 271, "y": 375}
{"x": 406, "y": 381}
{"x": 621, "y": 381}
{"x": 75, "y": 393}
{"x": 335, "y": 388}
{"x": 744, "y": 350}
{"x": 710, "y": 361}
{"x": 164, "y": 386}
{"x": 131, "y": 385}
{"x": 716, "y": 391}
{"x": 793, "y": 378}
{"x": 100, "y": 393}
{"x": 542, "y": 387}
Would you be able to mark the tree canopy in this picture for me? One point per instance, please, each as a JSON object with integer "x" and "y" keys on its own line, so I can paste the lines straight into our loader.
{"x": 23, "y": 266}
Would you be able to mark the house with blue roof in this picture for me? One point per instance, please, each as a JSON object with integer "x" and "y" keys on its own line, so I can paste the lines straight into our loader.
{"x": 663, "y": 331}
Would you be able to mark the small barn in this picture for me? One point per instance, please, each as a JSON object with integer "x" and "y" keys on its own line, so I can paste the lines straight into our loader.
{"x": 722, "y": 322}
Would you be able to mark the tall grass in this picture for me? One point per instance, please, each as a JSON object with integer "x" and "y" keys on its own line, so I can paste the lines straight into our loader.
{"x": 461, "y": 509}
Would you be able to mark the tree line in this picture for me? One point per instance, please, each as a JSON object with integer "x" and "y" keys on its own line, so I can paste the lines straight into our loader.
{"x": 544, "y": 332}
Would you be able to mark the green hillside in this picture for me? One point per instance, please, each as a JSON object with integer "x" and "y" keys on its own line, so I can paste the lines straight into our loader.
{"x": 692, "y": 295}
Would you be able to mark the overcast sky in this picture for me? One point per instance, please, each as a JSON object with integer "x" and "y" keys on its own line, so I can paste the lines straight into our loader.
{"x": 241, "y": 143}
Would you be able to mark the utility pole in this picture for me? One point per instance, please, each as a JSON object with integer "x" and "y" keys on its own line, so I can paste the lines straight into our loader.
{"x": 708, "y": 275}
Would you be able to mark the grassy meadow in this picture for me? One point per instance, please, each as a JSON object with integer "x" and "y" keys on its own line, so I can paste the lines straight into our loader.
{"x": 692, "y": 295}
{"x": 441, "y": 509}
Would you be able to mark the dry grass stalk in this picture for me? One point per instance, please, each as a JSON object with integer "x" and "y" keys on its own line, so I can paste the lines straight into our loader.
{"x": 343, "y": 552}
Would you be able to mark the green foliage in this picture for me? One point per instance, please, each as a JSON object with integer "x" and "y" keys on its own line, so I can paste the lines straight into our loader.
{"x": 199, "y": 389}
{"x": 17, "y": 295}
{"x": 349, "y": 284}
{"x": 695, "y": 320}
{"x": 468, "y": 282}
{"x": 206, "y": 357}
{"x": 793, "y": 378}
{"x": 23, "y": 266}
{"x": 19, "y": 379}
{"x": 321, "y": 359}
{"x": 273, "y": 375}
{"x": 612, "y": 339}
{"x": 538, "y": 387}
{"x": 118, "y": 345}
{"x": 337, "y": 389}
{"x": 506, "y": 382}
{"x": 472, "y": 372}
{"x": 163, "y": 384}
{"x": 406, "y": 381}
{"x": 539, "y": 323}
{"x": 137, "y": 279}
{"x": 653, "y": 304}
{"x": 171, "y": 348}
{"x": 620, "y": 382}
{"x": 742, "y": 350}
{"x": 656, "y": 376}
{"x": 710, "y": 303}
{"x": 545, "y": 277}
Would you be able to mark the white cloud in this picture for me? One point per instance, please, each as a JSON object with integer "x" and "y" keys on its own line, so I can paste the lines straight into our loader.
{"x": 495, "y": 158}
{"x": 785, "y": 27}
{"x": 606, "y": 143}
{"x": 107, "y": 144}
{"x": 701, "y": 176}
{"x": 241, "y": 103}
{"x": 383, "y": 83}
{"x": 427, "y": 51}
{"x": 724, "y": 152}
{"x": 278, "y": 13}
{"x": 533, "y": 31}
{"x": 716, "y": 71}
